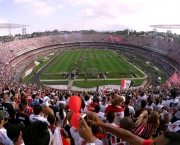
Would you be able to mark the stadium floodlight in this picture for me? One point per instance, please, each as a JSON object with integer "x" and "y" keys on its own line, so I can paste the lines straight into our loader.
{"x": 10, "y": 26}
{"x": 163, "y": 26}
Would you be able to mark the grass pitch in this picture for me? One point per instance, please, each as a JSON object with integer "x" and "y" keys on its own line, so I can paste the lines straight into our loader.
{"x": 106, "y": 61}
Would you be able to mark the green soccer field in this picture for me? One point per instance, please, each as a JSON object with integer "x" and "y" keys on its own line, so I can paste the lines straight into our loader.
{"x": 89, "y": 63}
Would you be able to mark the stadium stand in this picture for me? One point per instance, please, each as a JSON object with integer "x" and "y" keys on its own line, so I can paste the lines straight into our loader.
{"x": 152, "y": 112}
{"x": 12, "y": 53}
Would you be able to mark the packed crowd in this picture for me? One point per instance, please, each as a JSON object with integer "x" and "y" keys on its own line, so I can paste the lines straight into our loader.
{"x": 15, "y": 66}
{"x": 157, "y": 59}
{"x": 12, "y": 49}
{"x": 144, "y": 116}
{"x": 33, "y": 115}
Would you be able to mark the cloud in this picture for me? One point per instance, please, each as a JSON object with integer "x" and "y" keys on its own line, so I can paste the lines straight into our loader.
{"x": 42, "y": 9}
{"x": 104, "y": 14}
{"x": 101, "y": 15}
{"x": 60, "y": 6}
{"x": 2, "y": 20}
{"x": 22, "y": 1}
{"x": 38, "y": 7}
{"x": 116, "y": 15}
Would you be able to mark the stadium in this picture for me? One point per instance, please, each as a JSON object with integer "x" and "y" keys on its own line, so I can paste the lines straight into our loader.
{"x": 80, "y": 72}
{"x": 146, "y": 54}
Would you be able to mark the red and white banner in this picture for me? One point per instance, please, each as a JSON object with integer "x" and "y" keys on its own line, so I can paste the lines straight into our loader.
{"x": 125, "y": 84}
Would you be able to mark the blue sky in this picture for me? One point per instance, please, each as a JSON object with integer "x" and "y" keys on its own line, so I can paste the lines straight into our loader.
{"x": 100, "y": 15}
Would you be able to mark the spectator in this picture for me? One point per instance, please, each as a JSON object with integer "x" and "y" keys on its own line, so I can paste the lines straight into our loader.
{"x": 103, "y": 104}
{"x": 151, "y": 125}
{"x": 176, "y": 113}
{"x": 45, "y": 106}
{"x": 56, "y": 132}
{"x": 140, "y": 110}
{"x": 94, "y": 102}
{"x": 84, "y": 108}
{"x": 75, "y": 134}
{"x": 150, "y": 105}
{"x": 61, "y": 101}
{"x": 3, "y": 133}
{"x": 13, "y": 102}
{"x": 14, "y": 132}
{"x": 9, "y": 110}
{"x": 116, "y": 107}
{"x": 28, "y": 109}
{"x": 128, "y": 110}
{"x": 21, "y": 117}
{"x": 53, "y": 106}
{"x": 170, "y": 105}
{"x": 37, "y": 134}
{"x": 99, "y": 114}
{"x": 37, "y": 115}
{"x": 85, "y": 132}
{"x": 61, "y": 115}
{"x": 158, "y": 104}
{"x": 34, "y": 101}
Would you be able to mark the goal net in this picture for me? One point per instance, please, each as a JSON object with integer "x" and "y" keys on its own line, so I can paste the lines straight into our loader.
{"x": 92, "y": 70}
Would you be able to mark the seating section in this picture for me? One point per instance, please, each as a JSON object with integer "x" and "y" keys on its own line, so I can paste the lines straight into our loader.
{"x": 16, "y": 54}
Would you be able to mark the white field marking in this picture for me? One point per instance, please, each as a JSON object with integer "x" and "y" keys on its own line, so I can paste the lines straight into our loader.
{"x": 29, "y": 71}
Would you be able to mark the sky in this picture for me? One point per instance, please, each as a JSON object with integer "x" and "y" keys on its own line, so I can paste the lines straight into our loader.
{"x": 99, "y": 15}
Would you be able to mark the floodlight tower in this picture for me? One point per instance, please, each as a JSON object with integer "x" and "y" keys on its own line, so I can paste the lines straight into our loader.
{"x": 10, "y": 26}
{"x": 155, "y": 32}
{"x": 24, "y": 32}
{"x": 168, "y": 27}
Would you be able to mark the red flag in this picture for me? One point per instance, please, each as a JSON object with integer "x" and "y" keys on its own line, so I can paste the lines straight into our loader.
{"x": 125, "y": 84}
{"x": 174, "y": 79}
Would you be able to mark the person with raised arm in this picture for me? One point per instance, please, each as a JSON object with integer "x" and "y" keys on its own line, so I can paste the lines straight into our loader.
{"x": 168, "y": 138}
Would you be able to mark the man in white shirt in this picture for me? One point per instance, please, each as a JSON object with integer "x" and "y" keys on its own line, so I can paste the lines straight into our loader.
{"x": 128, "y": 110}
{"x": 37, "y": 116}
{"x": 79, "y": 140}
{"x": 4, "y": 139}
{"x": 99, "y": 114}
{"x": 142, "y": 96}
{"x": 103, "y": 104}
{"x": 170, "y": 105}
{"x": 75, "y": 134}
{"x": 158, "y": 105}
{"x": 176, "y": 113}
{"x": 61, "y": 101}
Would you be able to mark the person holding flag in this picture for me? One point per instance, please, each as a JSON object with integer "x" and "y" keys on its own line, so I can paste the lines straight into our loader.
{"x": 126, "y": 84}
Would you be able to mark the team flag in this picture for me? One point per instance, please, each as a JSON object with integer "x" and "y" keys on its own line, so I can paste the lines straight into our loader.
{"x": 126, "y": 84}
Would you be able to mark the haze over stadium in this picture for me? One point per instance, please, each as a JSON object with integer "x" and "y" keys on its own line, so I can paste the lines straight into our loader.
{"x": 101, "y": 15}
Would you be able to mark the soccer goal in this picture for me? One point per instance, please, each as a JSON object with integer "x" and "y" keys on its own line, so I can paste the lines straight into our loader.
{"x": 92, "y": 70}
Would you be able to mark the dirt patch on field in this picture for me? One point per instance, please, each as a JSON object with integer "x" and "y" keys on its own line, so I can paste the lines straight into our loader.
{"x": 29, "y": 67}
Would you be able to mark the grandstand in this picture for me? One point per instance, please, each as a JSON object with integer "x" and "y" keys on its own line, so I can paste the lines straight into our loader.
{"x": 16, "y": 55}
